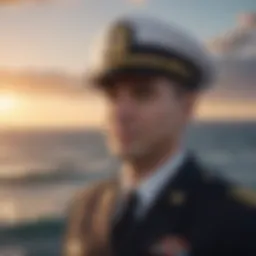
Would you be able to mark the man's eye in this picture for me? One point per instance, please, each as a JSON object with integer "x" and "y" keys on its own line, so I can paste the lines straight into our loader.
{"x": 142, "y": 93}
{"x": 110, "y": 93}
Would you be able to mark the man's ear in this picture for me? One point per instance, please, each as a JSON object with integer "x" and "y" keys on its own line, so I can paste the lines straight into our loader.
{"x": 190, "y": 100}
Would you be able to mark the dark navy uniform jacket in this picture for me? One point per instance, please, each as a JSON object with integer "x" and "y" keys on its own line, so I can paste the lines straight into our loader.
{"x": 196, "y": 214}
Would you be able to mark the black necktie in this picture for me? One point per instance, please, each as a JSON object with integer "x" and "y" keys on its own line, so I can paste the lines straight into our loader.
{"x": 125, "y": 222}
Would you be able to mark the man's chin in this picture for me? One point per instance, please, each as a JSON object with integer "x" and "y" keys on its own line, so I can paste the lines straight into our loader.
{"x": 130, "y": 153}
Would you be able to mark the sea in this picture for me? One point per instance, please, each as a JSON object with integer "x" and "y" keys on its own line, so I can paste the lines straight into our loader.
{"x": 41, "y": 170}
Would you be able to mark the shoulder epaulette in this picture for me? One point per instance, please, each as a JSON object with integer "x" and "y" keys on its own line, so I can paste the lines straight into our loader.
{"x": 243, "y": 195}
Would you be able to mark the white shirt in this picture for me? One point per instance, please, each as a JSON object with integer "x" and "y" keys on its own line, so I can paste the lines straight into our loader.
{"x": 150, "y": 188}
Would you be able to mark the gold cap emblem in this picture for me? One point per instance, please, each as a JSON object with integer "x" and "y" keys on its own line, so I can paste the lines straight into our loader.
{"x": 120, "y": 39}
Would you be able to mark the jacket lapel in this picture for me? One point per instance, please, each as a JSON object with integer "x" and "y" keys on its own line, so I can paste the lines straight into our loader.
{"x": 102, "y": 220}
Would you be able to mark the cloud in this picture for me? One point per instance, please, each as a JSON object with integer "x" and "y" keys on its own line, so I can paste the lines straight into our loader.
{"x": 21, "y": 2}
{"x": 15, "y": 2}
{"x": 138, "y": 2}
{"x": 10, "y": 1}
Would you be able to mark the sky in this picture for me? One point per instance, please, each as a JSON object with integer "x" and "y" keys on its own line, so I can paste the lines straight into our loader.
{"x": 57, "y": 33}
{"x": 56, "y": 36}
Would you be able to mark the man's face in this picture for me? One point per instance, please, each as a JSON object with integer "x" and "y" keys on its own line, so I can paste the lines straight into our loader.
{"x": 145, "y": 115}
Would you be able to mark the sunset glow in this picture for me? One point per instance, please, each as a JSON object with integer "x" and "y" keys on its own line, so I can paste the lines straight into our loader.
{"x": 24, "y": 111}
{"x": 8, "y": 102}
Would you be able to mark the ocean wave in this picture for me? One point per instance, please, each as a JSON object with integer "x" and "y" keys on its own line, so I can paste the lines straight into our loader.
{"x": 41, "y": 228}
{"x": 38, "y": 238}
{"x": 49, "y": 175}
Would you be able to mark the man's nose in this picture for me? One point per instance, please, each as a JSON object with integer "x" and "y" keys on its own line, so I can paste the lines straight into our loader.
{"x": 125, "y": 108}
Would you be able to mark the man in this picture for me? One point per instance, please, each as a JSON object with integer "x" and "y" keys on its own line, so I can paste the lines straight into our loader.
{"x": 163, "y": 202}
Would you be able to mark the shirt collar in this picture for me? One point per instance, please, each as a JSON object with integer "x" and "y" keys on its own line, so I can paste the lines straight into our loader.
{"x": 150, "y": 187}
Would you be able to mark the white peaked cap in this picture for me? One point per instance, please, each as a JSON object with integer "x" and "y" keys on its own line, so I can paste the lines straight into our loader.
{"x": 155, "y": 46}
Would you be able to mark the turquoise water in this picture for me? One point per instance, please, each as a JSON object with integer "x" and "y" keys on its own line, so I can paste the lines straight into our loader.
{"x": 41, "y": 170}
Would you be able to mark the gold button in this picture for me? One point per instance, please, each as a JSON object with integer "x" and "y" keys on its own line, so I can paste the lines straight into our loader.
{"x": 177, "y": 197}
{"x": 74, "y": 247}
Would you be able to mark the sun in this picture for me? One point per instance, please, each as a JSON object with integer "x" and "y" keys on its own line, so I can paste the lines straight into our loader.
{"x": 8, "y": 102}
